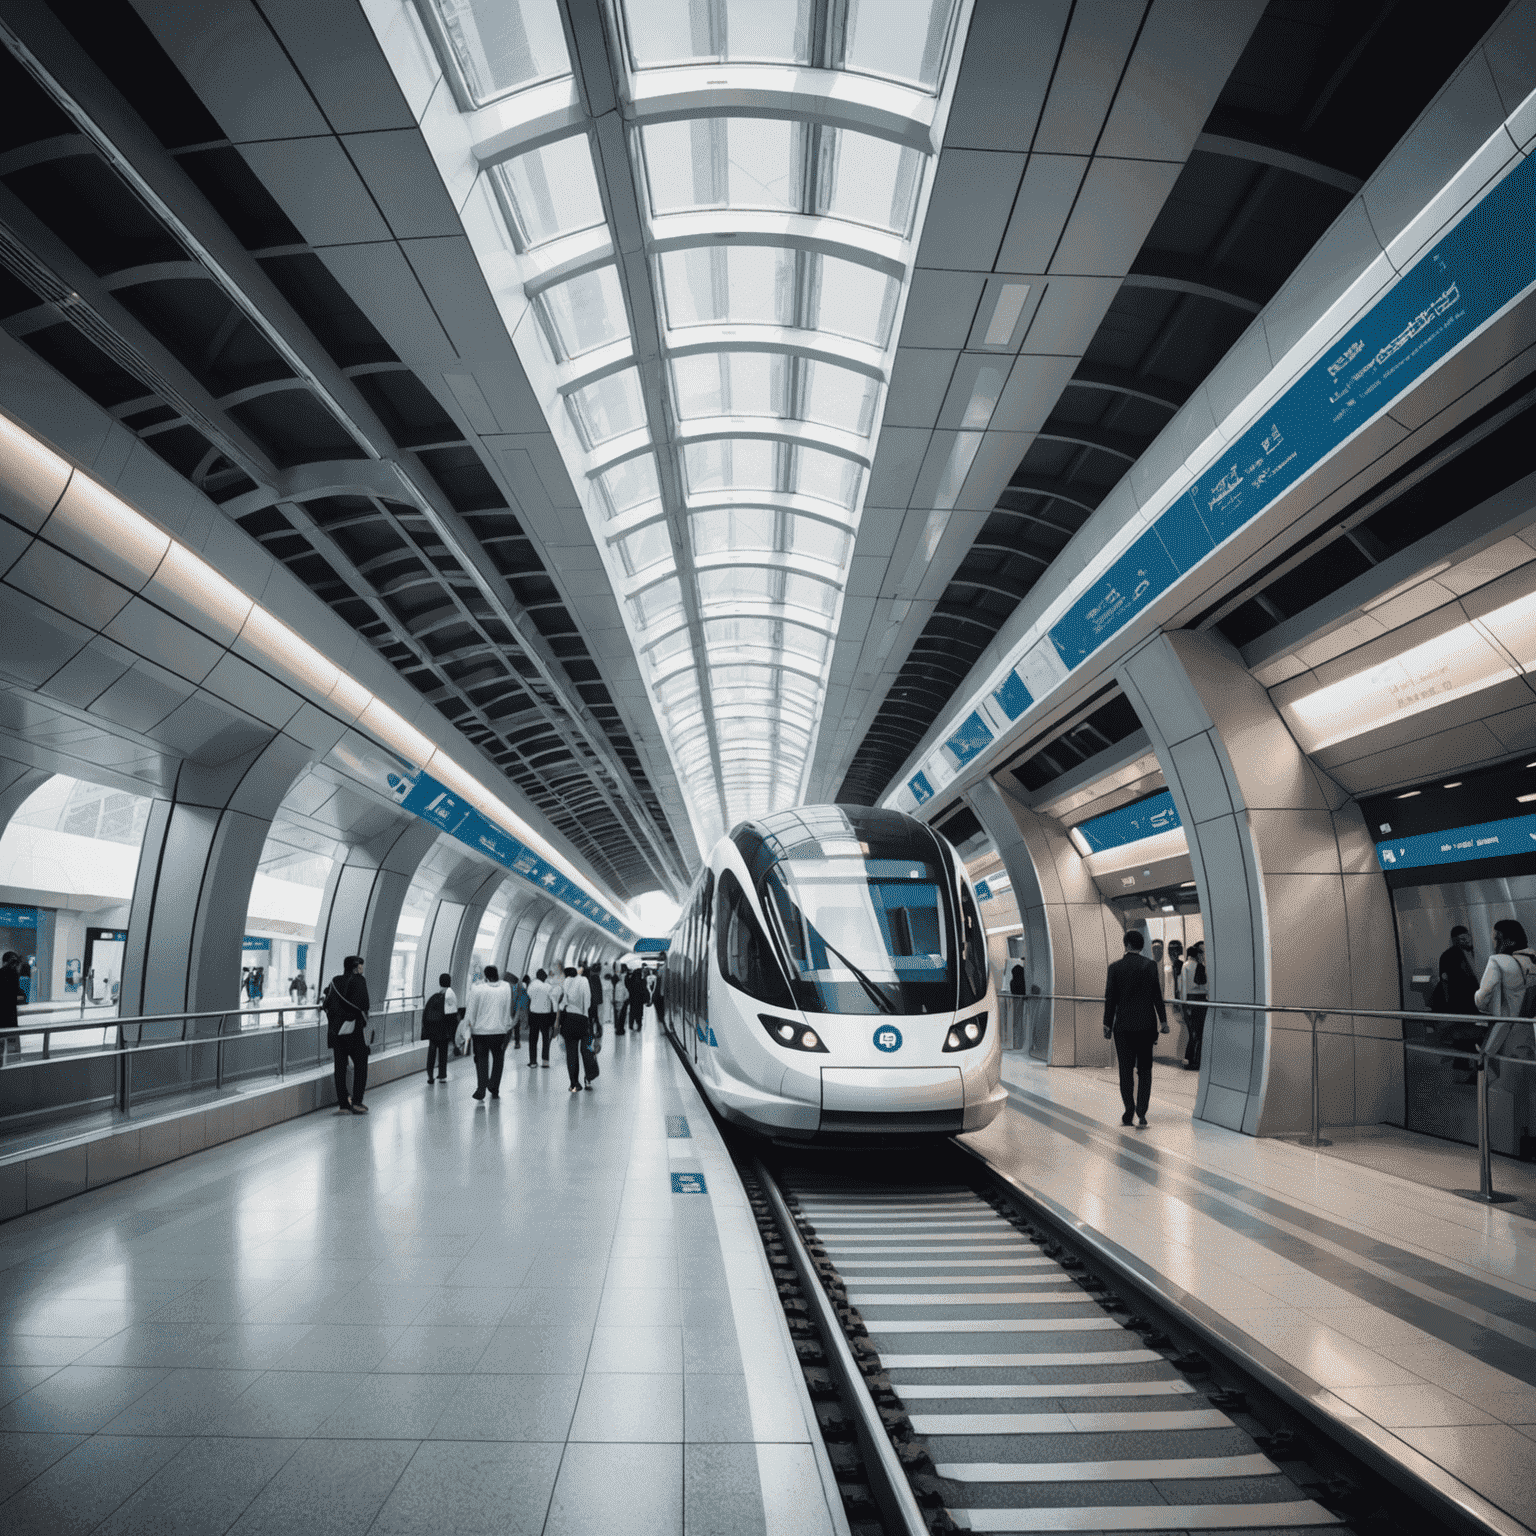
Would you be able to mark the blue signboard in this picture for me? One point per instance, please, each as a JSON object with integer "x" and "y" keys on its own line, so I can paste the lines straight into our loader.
{"x": 1502, "y": 839}
{"x": 1131, "y": 823}
{"x": 1013, "y": 698}
{"x": 921, "y": 789}
{"x": 18, "y": 917}
{"x": 652, "y": 946}
{"x": 248, "y": 942}
{"x": 688, "y": 1184}
{"x": 418, "y": 792}
{"x": 983, "y": 891}
{"x": 677, "y": 1127}
{"x": 1480, "y": 266}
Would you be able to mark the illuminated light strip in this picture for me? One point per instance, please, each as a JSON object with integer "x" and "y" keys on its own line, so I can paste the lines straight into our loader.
{"x": 90, "y": 521}
{"x": 1478, "y": 267}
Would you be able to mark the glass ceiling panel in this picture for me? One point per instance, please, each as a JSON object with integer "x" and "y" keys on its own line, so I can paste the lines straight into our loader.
{"x": 645, "y": 547}
{"x": 818, "y": 541}
{"x": 839, "y": 397}
{"x": 550, "y": 192}
{"x": 585, "y": 312}
{"x": 868, "y": 180}
{"x": 734, "y": 528}
{"x": 854, "y": 301}
{"x": 738, "y": 285}
{"x": 630, "y": 484}
{"x": 827, "y": 476}
{"x": 897, "y": 39}
{"x": 658, "y": 602}
{"x": 731, "y": 464}
{"x": 669, "y": 648}
{"x": 665, "y": 32}
{"x": 725, "y": 162}
{"x": 501, "y": 47}
{"x": 749, "y": 584}
{"x": 732, "y": 384}
{"x": 609, "y": 408}
{"x": 807, "y": 592}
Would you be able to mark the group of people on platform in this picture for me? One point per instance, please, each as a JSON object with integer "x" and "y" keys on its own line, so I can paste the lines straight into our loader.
{"x": 579, "y": 1003}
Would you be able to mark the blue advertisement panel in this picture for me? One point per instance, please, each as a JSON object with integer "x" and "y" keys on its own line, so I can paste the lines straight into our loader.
{"x": 1013, "y": 698}
{"x": 1131, "y": 823}
{"x": 921, "y": 789}
{"x": 1479, "y": 267}
{"x": 973, "y": 736}
{"x": 1502, "y": 839}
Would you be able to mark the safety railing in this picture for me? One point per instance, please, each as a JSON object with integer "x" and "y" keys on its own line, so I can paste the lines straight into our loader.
{"x": 1496, "y": 1029}
{"x": 56, "y": 1070}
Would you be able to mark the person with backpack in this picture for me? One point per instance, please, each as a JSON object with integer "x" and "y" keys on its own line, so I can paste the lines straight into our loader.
{"x": 1508, "y": 987}
{"x": 438, "y": 1021}
{"x": 346, "y": 1032}
{"x": 488, "y": 1021}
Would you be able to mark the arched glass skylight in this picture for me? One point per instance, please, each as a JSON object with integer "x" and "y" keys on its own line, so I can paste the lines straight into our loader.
{"x": 713, "y": 311}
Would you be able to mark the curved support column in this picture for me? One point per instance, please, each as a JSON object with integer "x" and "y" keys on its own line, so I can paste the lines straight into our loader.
{"x": 453, "y": 921}
{"x": 17, "y": 783}
{"x": 523, "y": 902}
{"x": 364, "y": 895}
{"x": 530, "y": 923}
{"x": 1295, "y": 908}
{"x": 193, "y": 889}
{"x": 1069, "y": 934}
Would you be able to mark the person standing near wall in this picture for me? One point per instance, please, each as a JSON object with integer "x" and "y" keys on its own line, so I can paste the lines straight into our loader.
{"x": 1457, "y": 988}
{"x": 637, "y": 998}
{"x": 1196, "y": 983}
{"x": 489, "y": 1022}
{"x": 439, "y": 1019}
{"x": 12, "y": 996}
{"x": 1133, "y": 1012}
{"x": 574, "y": 1001}
{"x": 541, "y": 1017}
{"x": 346, "y": 1032}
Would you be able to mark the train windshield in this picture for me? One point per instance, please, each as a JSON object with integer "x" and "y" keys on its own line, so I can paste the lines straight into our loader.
{"x": 864, "y": 935}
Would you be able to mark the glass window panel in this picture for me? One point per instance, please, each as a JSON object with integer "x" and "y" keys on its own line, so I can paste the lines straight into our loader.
{"x": 839, "y": 397}
{"x": 724, "y": 162}
{"x": 737, "y": 285}
{"x": 855, "y": 301}
{"x": 731, "y": 384}
{"x": 645, "y": 547}
{"x": 732, "y": 463}
{"x": 820, "y": 541}
{"x": 898, "y": 39}
{"x": 669, "y": 648}
{"x": 807, "y": 592}
{"x": 501, "y": 47}
{"x": 737, "y": 585}
{"x": 872, "y": 181}
{"x": 585, "y": 312}
{"x": 724, "y": 632}
{"x": 826, "y": 476}
{"x": 631, "y": 484}
{"x": 609, "y": 408}
{"x": 550, "y": 191}
{"x": 689, "y": 31}
{"x": 657, "y": 602}
{"x": 674, "y": 690}
{"x": 807, "y": 644}
{"x": 733, "y": 528}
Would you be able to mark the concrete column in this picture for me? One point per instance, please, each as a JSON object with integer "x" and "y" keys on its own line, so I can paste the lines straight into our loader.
{"x": 1295, "y": 909}
{"x": 360, "y": 911}
{"x": 475, "y": 907}
{"x": 1070, "y": 935}
{"x": 529, "y": 921}
{"x": 457, "y": 908}
{"x": 524, "y": 899}
{"x": 193, "y": 888}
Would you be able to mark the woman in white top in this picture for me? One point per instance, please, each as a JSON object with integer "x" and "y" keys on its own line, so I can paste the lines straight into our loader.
{"x": 489, "y": 1020}
{"x": 1510, "y": 970}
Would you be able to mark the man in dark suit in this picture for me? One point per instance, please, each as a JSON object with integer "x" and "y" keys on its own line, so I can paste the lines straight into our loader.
{"x": 1133, "y": 1012}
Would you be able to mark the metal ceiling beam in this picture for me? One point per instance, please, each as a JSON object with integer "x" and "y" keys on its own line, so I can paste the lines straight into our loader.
{"x": 1232, "y": 148}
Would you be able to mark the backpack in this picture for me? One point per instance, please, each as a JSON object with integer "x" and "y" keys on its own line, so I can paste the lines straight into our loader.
{"x": 432, "y": 1015}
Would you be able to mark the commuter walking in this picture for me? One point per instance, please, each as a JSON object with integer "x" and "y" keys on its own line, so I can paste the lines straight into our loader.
{"x": 489, "y": 1023}
{"x": 1016, "y": 982}
{"x": 659, "y": 997}
{"x": 12, "y": 996}
{"x": 439, "y": 1019}
{"x": 519, "y": 1013}
{"x": 620, "y": 998}
{"x": 1456, "y": 991}
{"x": 574, "y": 1001}
{"x": 1510, "y": 972}
{"x": 346, "y": 1032}
{"x": 637, "y": 998}
{"x": 1196, "y": 990}
{"x": 541, "y": 1017}
{"x": 1133, "y": 1012}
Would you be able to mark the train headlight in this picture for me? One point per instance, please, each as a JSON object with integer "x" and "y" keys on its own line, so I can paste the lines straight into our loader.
{"x": 963, "y": 1036}
{"x": 793, "y": 1037}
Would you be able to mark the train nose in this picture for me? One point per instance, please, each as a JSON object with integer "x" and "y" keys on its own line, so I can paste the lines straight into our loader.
{"x": 851, "y": 1089}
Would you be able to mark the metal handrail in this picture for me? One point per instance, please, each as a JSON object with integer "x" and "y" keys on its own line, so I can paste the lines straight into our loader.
{"x": 1481, "y": 1054}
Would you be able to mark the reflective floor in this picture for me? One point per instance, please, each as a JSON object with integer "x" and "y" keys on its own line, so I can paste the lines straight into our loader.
{"x": 1408, "y": 1310}
{"x": 445, "y": 1317}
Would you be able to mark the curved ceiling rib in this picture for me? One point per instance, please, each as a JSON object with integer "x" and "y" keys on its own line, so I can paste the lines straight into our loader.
{"x": 710, "y": 214}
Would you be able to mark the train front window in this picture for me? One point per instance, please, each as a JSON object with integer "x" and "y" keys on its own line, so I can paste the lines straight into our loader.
{"x": 864, "y": 936}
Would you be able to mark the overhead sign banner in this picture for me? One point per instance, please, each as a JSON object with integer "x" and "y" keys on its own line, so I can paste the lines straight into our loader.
{"x": 1131, "y": 823}
{"x": 1510, "y": 837}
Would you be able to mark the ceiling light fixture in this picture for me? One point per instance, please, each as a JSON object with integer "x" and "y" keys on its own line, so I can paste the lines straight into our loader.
{"x": 1005, "y": 314}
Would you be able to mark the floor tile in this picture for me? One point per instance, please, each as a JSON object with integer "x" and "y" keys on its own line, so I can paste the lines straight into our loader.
{"x": 78, "y": 1398}
{"x": 1397, "y": 1407}
{"x": 185, "y": 1401}
{"x": 326, "y": 1490}
{"x": 618, "y": 1488}
{"x": 25, "y": 1456}
{"x": 636, "y": 1349}
{"x": 629, "y": 1406}
{"x": 285, "y": 1404}
{"x": 204, "y": 1488}
{"x": 453, "y": 1351}
{"x": 536, "y": 1350}
{"x": 82, "y": 1489}
{"x": 1491, "y": 1458}
{"x": 474, "y": 1489}
{"x": 523, "y": 1407}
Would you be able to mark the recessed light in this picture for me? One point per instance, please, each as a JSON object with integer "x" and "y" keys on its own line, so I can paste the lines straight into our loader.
{"x": 1409, "y": 794}
{"x": 1525, "y": 799}
{"x": 1454, "y": 784}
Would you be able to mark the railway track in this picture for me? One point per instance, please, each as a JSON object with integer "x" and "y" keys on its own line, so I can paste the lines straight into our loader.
{"x": 1023, "y": 1391}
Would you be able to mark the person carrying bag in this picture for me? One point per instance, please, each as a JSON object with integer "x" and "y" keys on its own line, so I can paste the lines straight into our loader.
{"x": 347, "y": 1033}
{"x": 573, "y": 1003}
{"x": 438, "y": 1019}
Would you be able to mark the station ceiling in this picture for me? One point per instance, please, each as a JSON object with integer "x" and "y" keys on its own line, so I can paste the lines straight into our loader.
{"x": 680, "y": 395}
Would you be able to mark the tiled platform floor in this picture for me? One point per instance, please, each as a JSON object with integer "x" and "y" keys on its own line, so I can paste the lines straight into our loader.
{"x": 1409, "y": 1310}
{"x": 442, "y": 1318}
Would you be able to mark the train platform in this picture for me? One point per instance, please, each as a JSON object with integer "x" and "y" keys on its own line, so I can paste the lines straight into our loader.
{"x": 549, "y": 1314}
{"x": 1396, "y": 1308}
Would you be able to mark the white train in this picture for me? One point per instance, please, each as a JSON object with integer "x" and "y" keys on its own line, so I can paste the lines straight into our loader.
{"x": 828, "y": 976}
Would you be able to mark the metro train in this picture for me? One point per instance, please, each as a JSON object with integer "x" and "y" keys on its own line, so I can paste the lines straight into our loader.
{"x": 827, "y": 978}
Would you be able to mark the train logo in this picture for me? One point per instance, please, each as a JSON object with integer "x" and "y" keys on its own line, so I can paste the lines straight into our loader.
{"x": 888, "y": 1038}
